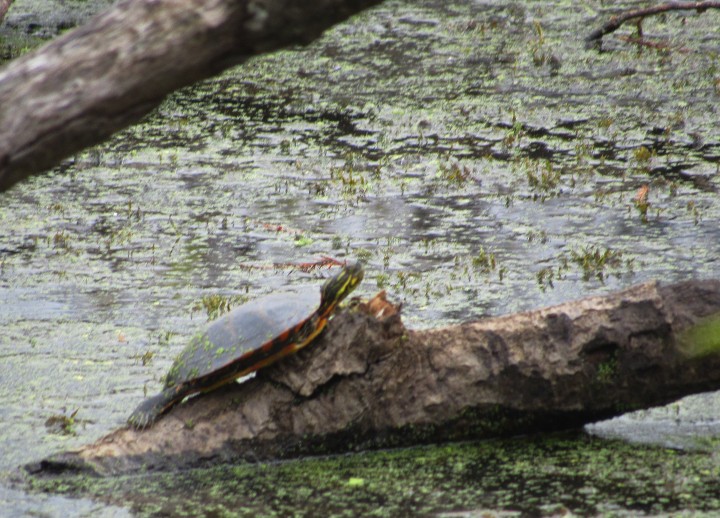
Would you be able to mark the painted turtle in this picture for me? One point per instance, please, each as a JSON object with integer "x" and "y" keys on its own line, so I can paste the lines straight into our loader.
{"x": 251, "y": 336}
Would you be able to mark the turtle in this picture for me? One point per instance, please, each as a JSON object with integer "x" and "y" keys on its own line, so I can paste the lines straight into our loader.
{"x": 248, "y": 338}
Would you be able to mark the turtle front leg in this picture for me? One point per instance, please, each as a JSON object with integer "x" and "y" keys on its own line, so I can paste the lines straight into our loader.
{"x": 149, "y": 410}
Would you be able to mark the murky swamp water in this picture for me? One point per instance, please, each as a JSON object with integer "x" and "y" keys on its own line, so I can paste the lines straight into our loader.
{"x": 480, "y": 161}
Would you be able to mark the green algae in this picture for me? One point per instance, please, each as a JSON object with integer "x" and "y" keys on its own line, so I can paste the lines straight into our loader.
{"x": 532, "y": 476}
{"x": 475, "y": 156}
{"x": 29, "y": 23}
{"x": 703, "y": 338}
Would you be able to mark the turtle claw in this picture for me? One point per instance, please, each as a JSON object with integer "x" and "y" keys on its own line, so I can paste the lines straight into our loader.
{"x": 139, "y": 420}
{"x": 149, "y": 410}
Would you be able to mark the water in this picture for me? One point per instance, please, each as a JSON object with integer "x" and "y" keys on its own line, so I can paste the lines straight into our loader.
{"x": 472, "y": 155}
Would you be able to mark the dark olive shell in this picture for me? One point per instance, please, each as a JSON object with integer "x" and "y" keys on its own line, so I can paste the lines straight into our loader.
{"x": 274, "y": 319}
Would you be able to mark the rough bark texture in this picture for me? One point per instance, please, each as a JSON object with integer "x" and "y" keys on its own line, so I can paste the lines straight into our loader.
{"x": 84, "y": 86}
{"x": 4, "y": 6}
{"x": 369, "y": 384}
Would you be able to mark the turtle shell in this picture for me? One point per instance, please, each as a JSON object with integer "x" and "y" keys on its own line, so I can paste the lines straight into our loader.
{"x": 247, "y": 338}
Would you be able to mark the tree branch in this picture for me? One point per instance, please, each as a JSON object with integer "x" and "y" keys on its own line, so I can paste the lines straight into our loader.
{"x": 4, "y": 6}
{"x": 85, "y": 85}
{"x": 616, "y": 21}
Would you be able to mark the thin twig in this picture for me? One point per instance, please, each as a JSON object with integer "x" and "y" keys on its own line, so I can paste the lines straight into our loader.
{"x": 663, "y": 47}
{"x": 616, "y": 21}
{"x": 323, "y": 262}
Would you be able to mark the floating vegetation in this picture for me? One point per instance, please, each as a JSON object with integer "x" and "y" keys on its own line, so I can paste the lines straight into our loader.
{"x": 216, "y": 305}
{"x": 539, "y": 52}
{"x": 352, "y": 178}
{"x": 382, "y": 280}
{"x": 595, "y": 262}
{"x": 539, "y": 236}
{"x": 514, "y": 134}
{"x": 570, "y": 474}
{"x": 545, "y": 278}
{"x": 484, "y": 261}
{"x": 583, "y": 156}
{"x": 429, "y": 123}
{"x": 542, "y": 176}
{"x": 694, "y": 211}
{"x": 61, "y": 240}
{"x": 403, "y": 279}
{"x": 163, "y": 338}
{"x": 454, "y": 174}
{"x": 642, "y": 157}
{"x": 62, "y": 424}
{"x": 605, "y": 122}
{"x": 145, "y": 358}
{"x": 303, "y": 240}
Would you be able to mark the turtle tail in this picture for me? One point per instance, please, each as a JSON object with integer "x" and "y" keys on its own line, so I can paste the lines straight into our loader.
{"x": 149, "y": 410}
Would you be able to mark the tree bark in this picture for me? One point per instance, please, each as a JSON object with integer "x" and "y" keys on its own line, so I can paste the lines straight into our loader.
{"x": 369, "y": 383}
{"x": 4, "y": 6}
{"x": 83, "y": 86}
{"x": 595, "y": 37}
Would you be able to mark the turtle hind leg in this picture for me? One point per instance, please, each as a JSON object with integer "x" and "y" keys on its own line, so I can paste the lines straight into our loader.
{"x": 149, "y": 410}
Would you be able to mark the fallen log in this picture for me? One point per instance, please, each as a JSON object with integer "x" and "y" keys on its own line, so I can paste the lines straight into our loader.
{"x": 98, "y": 79}
{"x": 4, "y": 6}
{"x": 370, "y": 383}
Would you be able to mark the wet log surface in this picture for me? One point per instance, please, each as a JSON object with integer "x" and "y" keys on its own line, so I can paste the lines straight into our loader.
{"x": 98, "y": 79}
{"x": 369, "y": 383}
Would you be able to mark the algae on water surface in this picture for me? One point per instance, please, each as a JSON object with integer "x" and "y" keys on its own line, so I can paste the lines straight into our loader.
{"x": 476, "y": 156}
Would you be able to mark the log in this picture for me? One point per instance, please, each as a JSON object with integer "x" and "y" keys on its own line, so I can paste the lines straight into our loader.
{"x": 4, "y": 6}
{"x": 82, "y": 87}
{"x": 371, "y": 383}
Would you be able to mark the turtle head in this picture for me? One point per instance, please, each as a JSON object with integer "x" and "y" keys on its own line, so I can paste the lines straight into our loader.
{"x": 338, "y": 287}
